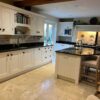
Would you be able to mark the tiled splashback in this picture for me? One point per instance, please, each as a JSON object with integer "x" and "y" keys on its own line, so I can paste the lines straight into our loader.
{"x": 88, "y": 37}
{"x": 7, "y": 39}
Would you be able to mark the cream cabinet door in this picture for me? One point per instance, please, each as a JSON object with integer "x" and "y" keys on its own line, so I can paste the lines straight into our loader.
{"x": 3, "y": 65}
{"x": 34, "y": 25}
{"x": 37, "y": 25}
{"x": 68, "y": 66}
{"x": 26, "y": 59}
{"x": 40, "y": 26}
{"x": 38, "y": 56}
{"x": 0, "y": 20}
{"x": 7, "y": 21}
{"x": 13, "y": 62}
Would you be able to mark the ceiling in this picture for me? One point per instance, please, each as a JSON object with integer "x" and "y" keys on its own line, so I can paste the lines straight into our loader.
{"x": 72, "y": 9}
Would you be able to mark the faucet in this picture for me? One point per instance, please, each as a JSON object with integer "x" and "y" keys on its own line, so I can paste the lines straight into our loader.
{"x": 79, "y": 44}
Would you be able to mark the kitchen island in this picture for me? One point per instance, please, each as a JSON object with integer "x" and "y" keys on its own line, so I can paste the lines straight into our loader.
{"x": 68, "y": 62}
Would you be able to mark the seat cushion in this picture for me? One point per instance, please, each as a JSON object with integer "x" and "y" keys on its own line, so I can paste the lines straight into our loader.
{"x": 92, "y": 63}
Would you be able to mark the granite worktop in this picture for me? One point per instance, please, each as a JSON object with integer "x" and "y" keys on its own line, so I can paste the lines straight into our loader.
{"x": 80, "y": 51}
{"x": 14, "y": 47}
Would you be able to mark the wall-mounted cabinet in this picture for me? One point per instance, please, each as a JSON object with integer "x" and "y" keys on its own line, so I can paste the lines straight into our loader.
{"x": 6, "y": 21}
{"x": 14, "y": 20}
{"x": 65, "y": 29}
{"x": 37, "y": 25}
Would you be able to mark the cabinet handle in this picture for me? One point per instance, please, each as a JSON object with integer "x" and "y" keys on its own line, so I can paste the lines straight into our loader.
{"x": 38, "y": 32}
{"x": 11, "y": 54}
{"x": 3, "y": 30}
{"x": 0, "y": 29}
{"x": 7, "y": 55}
{"x": 23, "y": 52}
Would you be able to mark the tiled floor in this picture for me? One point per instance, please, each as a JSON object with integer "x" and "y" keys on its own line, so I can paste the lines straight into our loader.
{"x": 40, "y": 84}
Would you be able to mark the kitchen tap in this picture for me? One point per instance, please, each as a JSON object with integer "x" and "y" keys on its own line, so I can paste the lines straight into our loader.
{"x": 79, "y": 44}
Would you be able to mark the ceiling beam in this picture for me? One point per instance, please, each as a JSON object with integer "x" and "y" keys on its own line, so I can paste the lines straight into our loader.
{"x": 37, "y": 2}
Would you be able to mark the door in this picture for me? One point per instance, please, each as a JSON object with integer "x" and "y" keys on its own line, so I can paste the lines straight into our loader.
{"x": 13, "y": 62}
{"x": 38, "y": 56}
{"x": 26, "y": 59}
{"x": 7, "y": 21}
{"x": 3, "y": 65}
{"x": 37, "y": 25}
{"x": 0, "y": 20}
{"x": 40, "y": 26}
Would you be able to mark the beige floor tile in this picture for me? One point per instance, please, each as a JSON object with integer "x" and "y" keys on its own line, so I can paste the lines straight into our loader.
{"x": 40, "y": 84}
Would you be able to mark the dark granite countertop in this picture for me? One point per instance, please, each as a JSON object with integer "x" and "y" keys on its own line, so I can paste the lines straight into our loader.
{"x": 84, "y": 45}
{"x": 14, "y": 47}
{"x": 80, "y": 52}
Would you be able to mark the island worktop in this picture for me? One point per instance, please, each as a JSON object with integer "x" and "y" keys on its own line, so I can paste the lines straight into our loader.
{"x": 80, "y": 52}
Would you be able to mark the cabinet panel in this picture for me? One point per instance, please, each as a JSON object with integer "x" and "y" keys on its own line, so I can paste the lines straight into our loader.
{"x": 3, "y": 65}
{"x": 13, "y": 62}
{"x": 7, "y": 21}
{"x": 66, "y": 68}
{"x": 37, "y": 25}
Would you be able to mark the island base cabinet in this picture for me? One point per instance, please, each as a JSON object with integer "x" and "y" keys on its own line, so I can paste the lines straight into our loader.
{"x": 68, "y": 66}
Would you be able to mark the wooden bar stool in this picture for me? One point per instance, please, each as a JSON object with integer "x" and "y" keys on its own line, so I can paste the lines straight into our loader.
{"x": 90, "y": 70}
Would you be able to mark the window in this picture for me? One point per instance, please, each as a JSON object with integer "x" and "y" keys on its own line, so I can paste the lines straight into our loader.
{"x": 49, "y": 30}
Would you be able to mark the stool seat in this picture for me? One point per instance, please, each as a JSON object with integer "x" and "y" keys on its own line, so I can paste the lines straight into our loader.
{"x": 90, "y": 63}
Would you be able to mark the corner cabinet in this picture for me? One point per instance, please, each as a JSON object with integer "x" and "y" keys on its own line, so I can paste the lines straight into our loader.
{"x": 6, "y": 21}
{"x": 37, "y": 25}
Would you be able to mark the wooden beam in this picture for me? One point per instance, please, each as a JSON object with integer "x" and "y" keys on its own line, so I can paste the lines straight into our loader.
{"x": 38, "y": 2}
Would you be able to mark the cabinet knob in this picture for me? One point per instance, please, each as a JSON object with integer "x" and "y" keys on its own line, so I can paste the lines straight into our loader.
{"x": 23, "y": 52}
{"x": 7, "y": 55}
{"x": 11, "y": 54}
{"x": 3, "y": 30}
{"x": 38, "y": 32}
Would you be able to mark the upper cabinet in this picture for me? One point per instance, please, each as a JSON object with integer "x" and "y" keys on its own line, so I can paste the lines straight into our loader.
{"x": 6, "y": 21}
{"x": 37, "y": 25}
{"x": 65, "y": 29}
{"x": 16, "y": 21}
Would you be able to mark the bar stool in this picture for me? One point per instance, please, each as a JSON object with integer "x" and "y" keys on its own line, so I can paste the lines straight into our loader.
{"x": 90, "y": 70}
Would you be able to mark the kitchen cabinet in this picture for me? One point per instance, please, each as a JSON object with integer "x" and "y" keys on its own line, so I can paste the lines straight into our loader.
{"x": 13, "y": 63}
{"x": 3, "y": 66}
{"x": 47, "y": 53}
{"x": 6, "y": 21}
{"x": 62, "y": 26}
{"x": 26, "y": 59}
{"x": 38, "y": 56}
{"x": 37, "y": 25}
{"x": 66, "y": 68}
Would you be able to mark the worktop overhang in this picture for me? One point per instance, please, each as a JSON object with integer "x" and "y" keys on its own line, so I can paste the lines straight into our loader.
{"x": 80, "y": 52}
